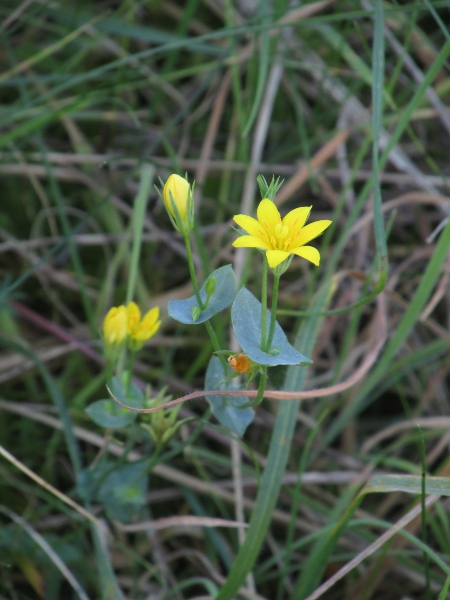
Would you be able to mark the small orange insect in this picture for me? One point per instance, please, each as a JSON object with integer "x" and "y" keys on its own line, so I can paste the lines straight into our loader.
{"x": 241, "y": 363}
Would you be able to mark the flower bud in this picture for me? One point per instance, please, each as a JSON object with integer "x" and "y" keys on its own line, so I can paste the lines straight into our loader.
{"x": 177, "y": 196}
{"x": 195, "y": 312}
{"x": 211, "y": 286}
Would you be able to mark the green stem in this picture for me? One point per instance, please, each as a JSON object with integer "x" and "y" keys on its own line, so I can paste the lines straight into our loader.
{"x": 109, "y": 372}
{"x": 261, "y": 390}
{"x": 209, "y": 327}
{"x": 192, "y": 274}
{"x": 130, "y": 372}
{"x": 273, "y": 312}
{"x": 261, "y": 386}
{"x": 264, "y": 303}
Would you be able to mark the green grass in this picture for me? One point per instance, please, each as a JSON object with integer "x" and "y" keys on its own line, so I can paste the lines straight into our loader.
{"x": 96, "y": 101}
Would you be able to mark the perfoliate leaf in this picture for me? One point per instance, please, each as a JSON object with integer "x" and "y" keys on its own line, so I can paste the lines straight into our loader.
{"x": 225, "y": 288}
{"x": 109, "y": 414}
{"x": 246, "y": 320}
{"x": 124, "y": 491}
{"x": 226, "y": 408}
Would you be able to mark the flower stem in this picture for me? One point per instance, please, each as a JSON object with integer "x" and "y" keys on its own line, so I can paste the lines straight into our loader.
{"x": 213, "y": 336}
{"x": 273, "y": 312}
{"x": 261, "y": 390}
{"x": 129, "y": 372}
{"x": 209, "y": 327}
{"x": 192, "y": 274}
{"x": 264, "y": 304}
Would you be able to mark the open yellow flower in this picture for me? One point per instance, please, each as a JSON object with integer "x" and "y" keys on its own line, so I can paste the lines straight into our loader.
{"x": 115, "y": 327}
{"x": 141, "y": 330}
{"x": 280, "y": 238}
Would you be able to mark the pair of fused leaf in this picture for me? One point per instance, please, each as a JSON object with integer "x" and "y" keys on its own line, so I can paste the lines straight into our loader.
{"x": 124, "y": 324}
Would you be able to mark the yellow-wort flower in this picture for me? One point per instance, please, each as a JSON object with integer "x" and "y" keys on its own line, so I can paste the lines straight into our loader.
{"x": 280, "y": 238}
{"x": 141, "y": 330}
{"x": 115, "y": 327}
{"x": 178, "y": 198}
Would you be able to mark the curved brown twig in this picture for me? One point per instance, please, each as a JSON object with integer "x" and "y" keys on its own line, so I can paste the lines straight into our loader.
{"x": 380, "y": 326}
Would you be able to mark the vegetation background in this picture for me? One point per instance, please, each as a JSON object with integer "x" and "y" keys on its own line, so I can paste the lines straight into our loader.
{"x": 348, "y": 102}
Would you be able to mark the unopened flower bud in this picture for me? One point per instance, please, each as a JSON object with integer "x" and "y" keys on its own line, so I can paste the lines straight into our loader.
{"x": 177, "y": 196}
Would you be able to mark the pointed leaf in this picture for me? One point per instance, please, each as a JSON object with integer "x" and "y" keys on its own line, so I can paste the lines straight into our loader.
{"x": 246, "y": 319}
{"x": 226, "y": 408}
{"x": 225, "y": 288}
{"x": 124, "y": 491}
{"x": 108, "y": 413}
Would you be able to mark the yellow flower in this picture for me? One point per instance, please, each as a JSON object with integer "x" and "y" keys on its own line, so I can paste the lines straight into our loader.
{"x": 280, "y": 238}
{"x": 141, "y": 330}
{"x": 177, "y": 196}
{"x": 115, "y": 326}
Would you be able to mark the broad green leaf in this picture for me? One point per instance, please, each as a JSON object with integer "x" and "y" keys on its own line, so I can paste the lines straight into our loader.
{"x": 225, "y": 288}
{"x": 226, "y": 408}
{"x": 109, "y": 414}
{"x": 246, "y": 320}
{"x": 123, "y": 492}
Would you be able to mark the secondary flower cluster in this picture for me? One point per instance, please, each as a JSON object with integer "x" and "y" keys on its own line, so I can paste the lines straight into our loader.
{"x": 124, "y": 324}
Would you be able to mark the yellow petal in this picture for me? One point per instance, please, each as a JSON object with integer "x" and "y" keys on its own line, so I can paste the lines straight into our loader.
{"x": 295, "y": 219}
{"x": 146, "y": 328}
{"x": 178, "y": 190}
{"x": 308, "y": 252}
{"x": 268, "y": 215}
{"x": 275, "y": 257}
{"x": 151, "y": 317}
{"x": 311, "y": 231}
{"x": 133, "y": 311}
{"x": 250, "y": 225}
{"x": 250, "y": 241}
{"x": 145, "y": 332}
{"x": 115, "y": 326}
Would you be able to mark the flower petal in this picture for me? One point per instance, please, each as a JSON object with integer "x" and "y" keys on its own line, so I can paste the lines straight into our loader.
{"x": 178, "y": 189}
{"x": 275, "y": 257}
{"x": 115, "y": 328}
{"x": 250, "y": 241}
{"x": 268, "y": 216}
{"x": 133, "y": 311}
{"x": 295, "y": 219}
{"x": 308, "y": 252}
{"x": 311, "y": 231}
{"x": 151, "y": 317}
{"x": 250, "y": 225}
